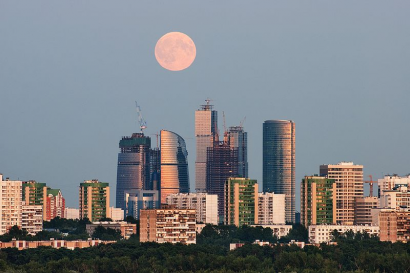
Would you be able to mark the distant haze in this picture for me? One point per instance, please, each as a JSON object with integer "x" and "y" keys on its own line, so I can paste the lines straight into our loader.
{"x": 70, "y": 72}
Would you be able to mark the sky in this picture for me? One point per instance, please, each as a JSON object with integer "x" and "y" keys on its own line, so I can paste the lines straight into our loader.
{"x": 71, "y": 71}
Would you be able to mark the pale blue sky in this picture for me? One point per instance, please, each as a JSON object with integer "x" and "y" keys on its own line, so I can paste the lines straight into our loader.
{"x": 70, "y": 72}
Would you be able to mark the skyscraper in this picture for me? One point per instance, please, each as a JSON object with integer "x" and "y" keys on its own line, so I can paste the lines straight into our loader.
{"x": 206, "y": 127}
{"x": 238, "y": 138}
{"x": 349, "y": 186}
{"x": 133, "y": 170}
{"x": 279, "y": 161}
{"x": 94, "y": 200}
{"x": 174, "y": 165}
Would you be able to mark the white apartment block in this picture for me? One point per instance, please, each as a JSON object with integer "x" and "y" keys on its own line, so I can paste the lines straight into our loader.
{"x": 323, "y": 233}
{"x": 10, "y": 204}
{"x": 389, "y": 182}
{"x": 72, "y": 213}
{"x": 271, "y": 208}
{"x": 278, "y": 230}
{"x": 395, "y": 199}
{"x": 116, "y": 214}
{"x": 206, "y": 205}
{"x": 32, "y": 218}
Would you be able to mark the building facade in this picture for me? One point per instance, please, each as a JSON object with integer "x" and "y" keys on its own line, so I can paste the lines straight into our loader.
{"x": 349, "y": 186}
{"x": 238, "y": 138}
{"x": 323, "y": 233}
{"x": 206, "y": 205}
{"x": 390, "y": 182}
{"x": 241, "y": 201}
{"x": 317, "y": 201}
{"x": 94, "y": 200}
{"x": 174, "y": 165}
{"x": 206, "y": 128}
{"x": 125, "y": 228}
{"x": 279, "y": 161}
{"x": 10, "y": 204}
{"x": 72, "y": 213}
{"x": 394, "y": 225}
{"x": 271, "y": 208}
{"x": 55, "y": 204}
{"x": 168, "y": 226}
{"x": 398, "y": 197}
{"x": 133, "y": 171}
{"x": 137, "y": 200}
{"x": 32, "y": 218}
{"x": 363, "y": 210}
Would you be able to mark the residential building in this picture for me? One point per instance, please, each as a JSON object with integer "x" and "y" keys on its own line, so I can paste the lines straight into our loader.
{"x": 174, "y": 165}
{"x": 206, "y": 205}
{"x": 363, "y": 210}
{"x": 349, "y": 186}
{"x": 241, "y": 204}
{"x": 278, "y": 230}
{"x": 238, "y": 138}
{"x": 394, "y": 225}
{"x": 21, "y": 244}
{"x": 35, "y": 193}
{"x": 10, "y": 204}
{"x": 136, "y": 200}
{"x": 323, "y": 233}
{"x": 72, "y": 213}
{"x": 317, "y": 201}
{"x": 279, "y": 161}
{"x": 271, "y": 208}
{"x": 389, "y": 182}
{"x": 396, "y": 198}
{"x": 133, "y": 171}
{"x": 32, "y": 218}
{"x": 116, "y": 214}
{"x": 55, "y": 204}
{"x": 126, "y": 229}
{"x": 206, "y": 129}
{"x": 222, "y": 163}
{"x": 94, "y": 200}
{"x": 168, "y": 226}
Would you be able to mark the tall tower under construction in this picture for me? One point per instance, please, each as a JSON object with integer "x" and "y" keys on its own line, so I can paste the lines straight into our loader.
{"x": 206, "y": 124}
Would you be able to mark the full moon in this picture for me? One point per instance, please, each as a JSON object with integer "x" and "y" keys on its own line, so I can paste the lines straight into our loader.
{"x": 175, "y": 51}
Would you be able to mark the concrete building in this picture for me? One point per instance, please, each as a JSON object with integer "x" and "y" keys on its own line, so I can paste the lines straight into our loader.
{"x": 398, "y": 197}
{"x": 278, "y": 230}
{"x": 206, "y": 128}
{"x": 271, "y": 208}
{"x": 35, "y": 193}
{"x": 318, "y": 201}
{"x": 279, "y": 161}
{"x": 94, "y": 200}
{"x": 168, "y": 226}
{"x": 21, "y": 244}
{"x": 238, "y": 138}
{"x": 241, "y": 204}
{"x": 126, "y": 229}
{"x": 136, "y": 200}
{"x": 323, "y": 233}
{"x": 206, "y": 205}
{"x": 349, "y": 185}
{"x": 394, "y": 225}
{"x": 32, "y": 218}
{"x": 72, "y": 213}
{"x": 389, "y": 182}
{"x": 363, "y": 210}
{"x": 55, "y": 204}
{"x": 116, "y": 214}
{"x": 174, "y": 165}
{"x": 10, "y": 204}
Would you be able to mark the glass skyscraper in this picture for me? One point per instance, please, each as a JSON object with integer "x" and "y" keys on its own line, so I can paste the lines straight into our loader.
{"x": 174, "y": 165}
{"x": 133, "y": 171}
{"x": 206, "y": 124}
{"x": 279, "y": 162}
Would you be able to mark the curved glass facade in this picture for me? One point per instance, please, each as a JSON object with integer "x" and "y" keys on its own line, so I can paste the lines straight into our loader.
{"x": 174, "y": 165}
{"x": 279, "y": 161}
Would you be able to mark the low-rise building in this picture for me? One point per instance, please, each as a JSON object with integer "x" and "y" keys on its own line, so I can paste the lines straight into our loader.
{"x": 206, "y": 205}
{"x": 278, "y": 230}
{"x": 271, "y": 208}
{"x": 323, "y": 233}
{"x": 20, "y": 245}
{"x": 168, "y": 226}
{"x": 126, "y": 229}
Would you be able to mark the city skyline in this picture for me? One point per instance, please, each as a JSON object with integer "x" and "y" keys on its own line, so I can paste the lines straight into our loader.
{"x": 70, "y": 73}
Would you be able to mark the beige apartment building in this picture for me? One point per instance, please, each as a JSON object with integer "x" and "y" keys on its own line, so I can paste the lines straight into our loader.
{"x": 349, "y": 186}
{"x": 363, "y": 209}
{"x": 10, "y": 204}
{"x": 125, "y": 228}
{"x": 394, "y": 225}
{"x": 168, "y": 226}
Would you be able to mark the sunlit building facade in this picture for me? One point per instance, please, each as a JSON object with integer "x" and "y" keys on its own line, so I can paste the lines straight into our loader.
{"x": 133, "y": 171}
{"x": 206, "y": 127}
{"x": 271, "y": 208}
{"x": 279, "y": 161}
{"x": 390, "y": 182}
{"x": 174, "y": 165}
{"x": 94, "y": 200}
{"x": 10, "y": 204}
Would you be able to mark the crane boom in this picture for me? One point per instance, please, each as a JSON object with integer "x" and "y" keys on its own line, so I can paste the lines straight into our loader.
{"x": 141, "y": 121}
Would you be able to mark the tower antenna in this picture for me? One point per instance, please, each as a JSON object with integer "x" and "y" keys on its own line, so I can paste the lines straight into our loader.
{"x": 141, "y": 121}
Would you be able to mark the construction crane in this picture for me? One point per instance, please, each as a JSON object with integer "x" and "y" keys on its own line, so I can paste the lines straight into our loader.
{"x": 141, "y": 121}
{"x": 370, "y": 182}
{"x": 242, "y": 122}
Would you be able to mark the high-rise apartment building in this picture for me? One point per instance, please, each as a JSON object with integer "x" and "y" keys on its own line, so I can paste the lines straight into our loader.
{"x": 317, "y": 201}
{"x": 94, "y": 200}
{"x": 271, "y": 208}
{"x": 241, "y": 204}
{"x": 55, "y": 204}
{"x": 10, "y": 204}
{"x": 238, "y": 138}
{"x": 279, "y": 161}
{"x": 222, "y": 163}
{"x": 363, "y": 210}
{"x": 35, "y": 193}
{"x": 32, "y": 218}
{"x": 349, "y": 186}
{"x": 133, "y": 171}
{"x": 174, "y": 165}
{"x": 206, "y": 205}
{"x": 206, "y": 128}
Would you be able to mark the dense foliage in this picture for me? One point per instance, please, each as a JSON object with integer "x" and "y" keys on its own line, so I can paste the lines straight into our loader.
{"x": 353, "y": 253}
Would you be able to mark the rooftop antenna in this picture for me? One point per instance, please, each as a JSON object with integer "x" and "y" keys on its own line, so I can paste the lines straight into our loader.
{"x": 141, "y": 121}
